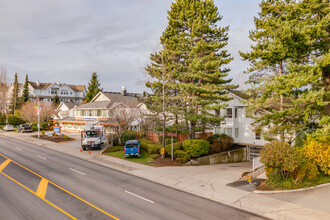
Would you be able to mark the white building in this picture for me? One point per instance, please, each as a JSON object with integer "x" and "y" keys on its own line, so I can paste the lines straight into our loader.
{"x": 237, "y": 124}
{"x": 100, "y": 108}
{"x": 47, "y": 91}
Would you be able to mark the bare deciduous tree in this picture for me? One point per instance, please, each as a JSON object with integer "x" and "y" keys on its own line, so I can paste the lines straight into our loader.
{"x": 123, "y": 118}
{"x": 4, "y": 93}
{"x": 28, "y": 111}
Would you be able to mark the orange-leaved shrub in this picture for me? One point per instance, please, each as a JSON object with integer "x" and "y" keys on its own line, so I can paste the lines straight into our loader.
{"x": 317, "y": 151}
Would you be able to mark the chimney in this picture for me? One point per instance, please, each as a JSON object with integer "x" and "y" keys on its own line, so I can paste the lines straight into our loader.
{"x": 123, "y": 90}
{"x": 38, "y": 83}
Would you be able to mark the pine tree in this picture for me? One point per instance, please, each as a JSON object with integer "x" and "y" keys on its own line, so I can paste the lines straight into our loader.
{"x": 93, "y": 88}
{"x": 195, "y": 73}
{"x": 25, "y": 96}
{"x": 285, "y": 83}
{"x": 14, "y": 97}
{"x": 56, "y": 100}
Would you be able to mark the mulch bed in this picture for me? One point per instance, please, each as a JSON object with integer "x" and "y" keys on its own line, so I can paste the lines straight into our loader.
{"x": 53, "y": 139}
{"x": 159, "y": 162}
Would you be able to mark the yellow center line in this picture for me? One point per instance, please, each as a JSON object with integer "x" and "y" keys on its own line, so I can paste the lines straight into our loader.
{"x": 38, "y": 196}
{"x": 4, "y": 164}
{"x": 42, "y": 188}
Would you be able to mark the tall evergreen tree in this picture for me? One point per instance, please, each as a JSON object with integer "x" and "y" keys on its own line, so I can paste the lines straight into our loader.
{"x": 56, "y": 100}
{"x": 193, "y": 61}
{"x": 14, "y": 98}
{"x": 285, "y": 83}
{"x": 93, "y": 88}
{"x": 25, "y": 96}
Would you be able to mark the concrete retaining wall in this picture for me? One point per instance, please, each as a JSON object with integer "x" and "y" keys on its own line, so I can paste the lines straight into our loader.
{"x": 233, "y": 156}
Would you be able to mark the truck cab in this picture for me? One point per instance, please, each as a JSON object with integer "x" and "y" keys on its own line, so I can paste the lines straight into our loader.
{"x": 132, "y": 148}
{"x": 93, "y": 137}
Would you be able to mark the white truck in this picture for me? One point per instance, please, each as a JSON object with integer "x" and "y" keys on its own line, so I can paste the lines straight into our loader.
{"x": 93, "y": 136}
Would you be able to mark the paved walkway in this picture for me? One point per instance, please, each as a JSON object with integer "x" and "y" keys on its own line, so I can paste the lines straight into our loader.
{"x": 205, "y": 181}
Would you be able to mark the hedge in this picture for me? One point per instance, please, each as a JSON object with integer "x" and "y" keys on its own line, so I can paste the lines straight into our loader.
{"x": 128, "y": 135}
{"x": 196, "y": 147}
{"x": 176, "y": 146}
{"x": 181, "y": 156}
{"x": 149, "y": 146}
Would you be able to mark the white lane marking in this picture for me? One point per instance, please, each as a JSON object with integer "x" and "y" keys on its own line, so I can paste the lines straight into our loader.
{"x": 19, "y": 148}
{"x": 76, "y": 171}
{"x": 138, "y": 196}
{"x": 41, "y": 157}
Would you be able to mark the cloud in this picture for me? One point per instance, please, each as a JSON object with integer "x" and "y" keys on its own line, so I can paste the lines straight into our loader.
{"x": 67, "y": 40}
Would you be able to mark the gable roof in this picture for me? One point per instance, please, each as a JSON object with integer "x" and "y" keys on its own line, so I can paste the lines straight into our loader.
{"x": 240, "y": 94}
{"x": 130, "y": 99}
{"x": 42, "y": 86}
{"x": 95, "y": 105}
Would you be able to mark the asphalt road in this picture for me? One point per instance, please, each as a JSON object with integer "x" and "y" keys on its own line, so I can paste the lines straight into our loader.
{"x": 39, "y": 183}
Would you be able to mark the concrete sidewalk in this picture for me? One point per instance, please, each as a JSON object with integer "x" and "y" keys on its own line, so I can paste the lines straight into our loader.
{"x": 205, "y": 181}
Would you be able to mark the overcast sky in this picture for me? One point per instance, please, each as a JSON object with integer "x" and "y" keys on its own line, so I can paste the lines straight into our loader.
{"x": 67, "y": 40}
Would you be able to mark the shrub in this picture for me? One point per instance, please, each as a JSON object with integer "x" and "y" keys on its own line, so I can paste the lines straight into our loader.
{"x": 115, "y": 140}
{"x": 196, "y": 147}
{"x": 216, "y": 136}
{"x": 43, "y": 132}
{"x": 128, "y": 135}
{"x": 279, "y": 158}
{"x": 168, "y": 148}
{"x": 154, "y": 156}
{"x": 14, "y": 120}
{"x": 318, "y": 152}
{"x": 144, "y": 144}
{"x": 34, "y": 127}
{"x": 181, "y": 156}
{"x": 44, "y": 126}
{"x": 114, "y": 149}
{"x": 65, "y": 137}
{"x": 154, "y": 148}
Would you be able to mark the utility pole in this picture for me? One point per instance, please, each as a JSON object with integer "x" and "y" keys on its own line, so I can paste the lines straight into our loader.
{"x": 164, "y": 116}
{"x": 38, "y": 117}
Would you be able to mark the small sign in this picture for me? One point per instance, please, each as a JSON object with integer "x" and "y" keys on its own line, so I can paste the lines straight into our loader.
{"x": 163, "y": 150}
{"x": 50, "y": 134}
{"x": 57, "y": 130}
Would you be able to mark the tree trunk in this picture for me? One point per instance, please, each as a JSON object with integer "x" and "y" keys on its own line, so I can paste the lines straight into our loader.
{"x": 281, "y": 101}
{"x": 326, "y": 81}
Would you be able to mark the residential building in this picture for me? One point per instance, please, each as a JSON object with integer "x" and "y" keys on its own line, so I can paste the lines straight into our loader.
{"x": 100, "y": 110}
{"x": 47, "y": 91}
{"x": 236, "y": 123}
{"x": 65, "y": 109}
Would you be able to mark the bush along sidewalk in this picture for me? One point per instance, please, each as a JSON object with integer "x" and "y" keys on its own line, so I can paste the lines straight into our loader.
{"x": 290, "y": 167}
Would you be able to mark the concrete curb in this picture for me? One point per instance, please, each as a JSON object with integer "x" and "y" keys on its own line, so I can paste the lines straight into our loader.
{"x": 292, "y": 190}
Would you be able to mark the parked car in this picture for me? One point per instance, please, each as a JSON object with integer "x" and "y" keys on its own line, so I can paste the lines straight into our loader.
{"x": 132, "y": 148}
{"x": 8, "y": 128}
{"x": 24, "y": 128}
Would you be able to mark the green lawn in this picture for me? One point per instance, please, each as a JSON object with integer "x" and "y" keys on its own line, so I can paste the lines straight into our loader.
{"x": 277, "y": 183}
{"x": 144, "y": 159}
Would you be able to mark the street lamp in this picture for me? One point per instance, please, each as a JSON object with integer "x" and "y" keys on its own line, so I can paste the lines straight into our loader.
{"x": 38, "y": 112}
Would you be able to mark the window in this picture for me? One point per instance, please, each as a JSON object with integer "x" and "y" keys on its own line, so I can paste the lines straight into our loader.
{"x": 236, "y": 133}
{"x": 83, "y": 113}
{"x": 98, "y": 113}
{"x": 229, "y": 112}
{"x": 258, "y": 135}
{"x": 105, "y": 113}
{"x": 236, "y": 112}
{"x": 64, "y": 92}
{"x": 229, "y": 131}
